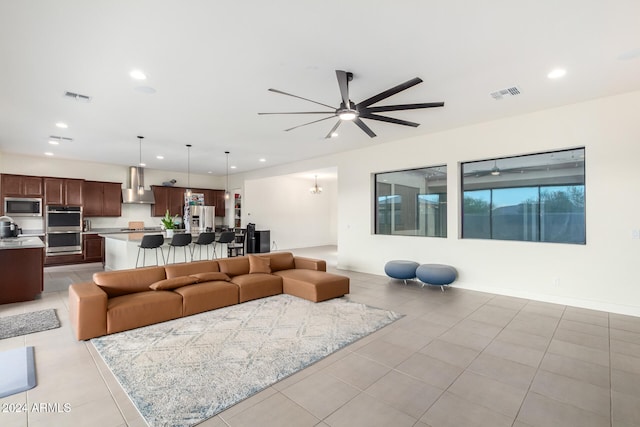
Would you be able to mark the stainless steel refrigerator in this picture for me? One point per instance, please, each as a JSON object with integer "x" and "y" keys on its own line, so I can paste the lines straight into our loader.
{"x": 202, "y": 218}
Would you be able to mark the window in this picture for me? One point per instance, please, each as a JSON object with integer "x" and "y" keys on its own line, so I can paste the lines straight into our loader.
{"x": 412, "y": 202}
{"x": 538, "y": 197}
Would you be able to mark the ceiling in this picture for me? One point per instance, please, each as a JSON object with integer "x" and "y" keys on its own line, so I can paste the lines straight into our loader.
{"x": 211, "y": 63}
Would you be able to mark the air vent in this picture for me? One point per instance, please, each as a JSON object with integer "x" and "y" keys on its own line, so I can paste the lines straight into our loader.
{"x": 60, "y": 138}
{"x": 505, "y": 93}
{"x": 77, "y": 96}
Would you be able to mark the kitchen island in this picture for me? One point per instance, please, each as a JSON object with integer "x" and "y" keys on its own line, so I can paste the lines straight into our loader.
{"x": 121, "y": 251}
{"x": 22, "y": 266}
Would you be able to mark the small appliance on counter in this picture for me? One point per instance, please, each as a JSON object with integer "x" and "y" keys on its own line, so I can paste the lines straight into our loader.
{"x": 8, "y": 228}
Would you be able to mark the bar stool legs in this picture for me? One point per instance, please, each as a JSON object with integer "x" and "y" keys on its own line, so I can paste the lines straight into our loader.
{"x": 151, "y": 241}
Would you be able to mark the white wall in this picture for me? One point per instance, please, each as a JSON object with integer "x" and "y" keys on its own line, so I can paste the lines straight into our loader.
{"x": 599, "y": 274}
{"x": 295, "y": 217}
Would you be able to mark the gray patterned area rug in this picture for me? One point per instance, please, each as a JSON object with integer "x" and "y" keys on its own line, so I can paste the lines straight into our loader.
{"x": 28, "y": 323}
{"x": 184, "y": 371}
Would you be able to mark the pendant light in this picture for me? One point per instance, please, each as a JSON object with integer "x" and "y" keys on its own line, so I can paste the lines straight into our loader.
{"x": 188, "y": 192}
{"x": 140, "y": 165}
{"x": 315, "y": 189}
{"x": 226, "y": 187}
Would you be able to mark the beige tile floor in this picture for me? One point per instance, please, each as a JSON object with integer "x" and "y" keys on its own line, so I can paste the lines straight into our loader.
{"x": 458, "y": 358}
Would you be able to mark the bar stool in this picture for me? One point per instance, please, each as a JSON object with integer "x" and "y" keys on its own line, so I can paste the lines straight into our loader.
{"x": 179, "y": 240}
{"x": 236, "y": 248}
{"x": 226, "y": 237}
{"x": 204, "y": 239}
{"x": 150, "y": 241}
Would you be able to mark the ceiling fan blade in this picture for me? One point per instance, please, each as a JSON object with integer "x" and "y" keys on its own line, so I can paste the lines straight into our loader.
{"x": 364, "y": 127}
{"x": 302, "y": 112}
{"x": 401, "y": 107}
{"x": 299, "y": 97}
{"x": 315, "y": 121}
{"x": 333, "y": 129}
{"x": 389, "y": 92}
{"x": 343, "y": 83}
{"x": 389, "y": 120}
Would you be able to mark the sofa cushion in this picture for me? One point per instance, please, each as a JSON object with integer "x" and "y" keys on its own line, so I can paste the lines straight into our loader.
{"x": 142, "y": 309}
{"x": 280, "y": 260}
{"x": 259, "y": 264}
{"x": 176, "y": 282}
{"x": 257, "y": 285}
{"x": 207, "y": 296}
{"x": 190, "y": 268}
{"x": 234, "y": 266}
{"x": 211, "y": 276}
{"x": 123, "y": 282}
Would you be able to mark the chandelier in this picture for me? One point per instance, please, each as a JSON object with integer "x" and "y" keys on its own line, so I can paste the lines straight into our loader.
{"x": 315, "y": 189}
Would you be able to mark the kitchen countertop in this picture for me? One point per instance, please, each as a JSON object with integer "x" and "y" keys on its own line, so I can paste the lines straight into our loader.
{"x": 21, "y": 243}
{"x": 136, "y": 236}
{"x": 121, "y": 230}
{"x": 32, "y": 233}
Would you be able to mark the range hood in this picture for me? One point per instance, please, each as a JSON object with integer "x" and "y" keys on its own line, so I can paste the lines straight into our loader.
{"x": 135, "y": 192}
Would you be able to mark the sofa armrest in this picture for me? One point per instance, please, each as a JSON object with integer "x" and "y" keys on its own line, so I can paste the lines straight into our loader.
{"x": 88, "y": 310}
{"x": 310, "y": 263}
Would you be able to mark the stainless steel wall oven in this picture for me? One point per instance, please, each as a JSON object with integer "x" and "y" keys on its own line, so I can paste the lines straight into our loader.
{"x": 63, "y": 230}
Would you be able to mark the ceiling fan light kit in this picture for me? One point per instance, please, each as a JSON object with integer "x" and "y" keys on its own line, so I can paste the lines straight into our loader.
{"x": 349, "y": 111}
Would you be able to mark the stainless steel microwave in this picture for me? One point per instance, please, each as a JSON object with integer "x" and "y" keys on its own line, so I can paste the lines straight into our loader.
{"x": 21, "y": 206}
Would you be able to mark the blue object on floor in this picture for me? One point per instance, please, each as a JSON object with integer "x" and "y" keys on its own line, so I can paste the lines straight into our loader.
{"x": 436, "y": 274}
{"x": 17, "y": 371}
{"x": 401, "y": 269}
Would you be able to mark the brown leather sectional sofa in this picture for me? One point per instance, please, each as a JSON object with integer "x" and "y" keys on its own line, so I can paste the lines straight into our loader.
{"x": 119, "y": 300}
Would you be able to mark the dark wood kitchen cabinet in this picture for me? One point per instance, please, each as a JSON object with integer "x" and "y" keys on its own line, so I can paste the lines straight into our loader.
{"x": 161, "y": 197}
{"x": 22, "y": 274}
{"x": 219, "y": 202}
{"x": 101, "y": 198}
{"x": 63, "y": 191}
{"x": 176, "y": 201}
{"x": 93, "y": 248}
{"x": 21, "y": 186}
{"x": 171, "y": 198}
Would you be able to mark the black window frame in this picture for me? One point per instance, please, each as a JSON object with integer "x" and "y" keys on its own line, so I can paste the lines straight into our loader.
{"x": 415, "y": 204}
{"x": 540, "y": 186}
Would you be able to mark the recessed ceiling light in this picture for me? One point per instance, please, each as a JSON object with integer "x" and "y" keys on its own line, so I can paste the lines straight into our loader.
{"x": 233, "y": 167}
{"x": 334, "y": 135}
{"x": 48, "y": 153}
{"x": 160, "y": 157}
{"x": 557, "y": 73}
{"x": 62, "y": 125}
{"x": 138, "y": 75}
{"x": 263, "y": 160}
{"x": 142, "y": 164}
{"x": 54, "y": 142}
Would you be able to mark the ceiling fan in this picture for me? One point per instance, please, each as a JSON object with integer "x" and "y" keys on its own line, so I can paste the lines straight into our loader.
{"x": 349, "y": 111}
